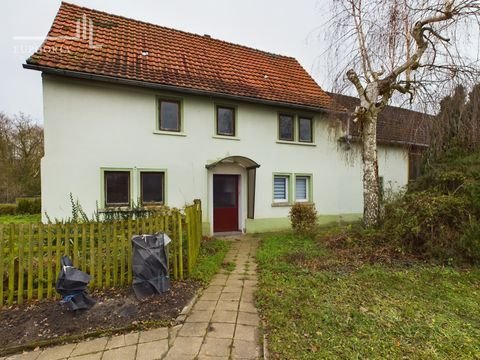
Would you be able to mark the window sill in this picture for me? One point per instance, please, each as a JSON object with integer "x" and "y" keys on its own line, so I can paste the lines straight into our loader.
{"x": 295, "y": 143}
{"x": 172, "y": 133}
{"x": 281, "y": 204}
{"x": 226, "y": 137}
{"x": 287, "y": 204}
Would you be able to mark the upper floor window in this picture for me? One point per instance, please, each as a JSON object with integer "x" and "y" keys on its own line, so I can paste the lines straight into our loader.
{"x": 117, "y": 188}
{"x": 285, "y": 127}
{"x": 295, "y": 128}
{"x": 305, "y": 129}
{"x": 225, "y": 121}
{"x": 152, "y": 185}
{"x": 169, "y": 115}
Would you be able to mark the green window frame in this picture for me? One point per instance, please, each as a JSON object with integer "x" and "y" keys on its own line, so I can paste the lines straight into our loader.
{"x": 150, "y": 186}
{"x": 166, "y": 109}
{"x": 281, "y": 188}
{"x": 303, "y": 192}
{"x": 219, "y": 130}
{"x": 117, "y": 192}
{"x": 282, "y": 128}
{"x": 302, "y": 121}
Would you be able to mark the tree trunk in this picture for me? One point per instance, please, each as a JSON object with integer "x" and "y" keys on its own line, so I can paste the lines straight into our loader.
{"x": 371, "y": 200}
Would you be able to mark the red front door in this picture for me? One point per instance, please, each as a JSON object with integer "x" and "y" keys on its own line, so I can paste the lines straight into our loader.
{"x": 225, "y": 203}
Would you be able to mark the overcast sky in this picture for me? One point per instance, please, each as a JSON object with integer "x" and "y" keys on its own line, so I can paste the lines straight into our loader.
{"x": 279, "y": 26}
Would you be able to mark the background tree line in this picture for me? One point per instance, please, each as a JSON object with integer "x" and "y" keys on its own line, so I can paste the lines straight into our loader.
{"x": 21, "y": 149}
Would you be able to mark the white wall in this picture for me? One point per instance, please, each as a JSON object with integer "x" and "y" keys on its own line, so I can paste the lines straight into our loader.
{"x": 91, "y": 125}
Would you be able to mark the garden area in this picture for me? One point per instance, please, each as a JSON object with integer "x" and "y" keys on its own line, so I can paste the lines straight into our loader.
{"x": 407, "y": 288}
{"x": 33, "y": 314}
{"x": 322, "y": 299}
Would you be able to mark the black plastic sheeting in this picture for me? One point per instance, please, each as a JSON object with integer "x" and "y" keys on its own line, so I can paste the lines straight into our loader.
{"x": 150, "y": 265}
{"x": 72, "y": 285}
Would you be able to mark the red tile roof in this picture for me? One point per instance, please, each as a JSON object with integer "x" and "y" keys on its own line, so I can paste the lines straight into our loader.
{"x": 175, "y": 58}
{"x": 395, "y": 125}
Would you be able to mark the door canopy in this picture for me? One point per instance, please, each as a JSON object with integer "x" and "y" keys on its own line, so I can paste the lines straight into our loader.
{"x": 239, "y": 160}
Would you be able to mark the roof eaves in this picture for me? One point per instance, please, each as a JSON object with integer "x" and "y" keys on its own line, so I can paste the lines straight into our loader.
{"x": 124, "y": 81}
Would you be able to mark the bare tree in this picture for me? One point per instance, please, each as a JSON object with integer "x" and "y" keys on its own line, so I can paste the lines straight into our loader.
{"x": 21, "y": 149}
{"x": 409, "y": 47}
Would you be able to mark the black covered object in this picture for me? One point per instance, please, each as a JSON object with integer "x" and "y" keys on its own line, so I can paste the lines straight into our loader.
{"x": 150, "y": 266}
{"x": 72, "y": 284}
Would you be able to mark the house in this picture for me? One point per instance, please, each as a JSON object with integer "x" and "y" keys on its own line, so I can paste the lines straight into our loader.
{"x": 140, "y": 113}
{"x": 395, "y": 126}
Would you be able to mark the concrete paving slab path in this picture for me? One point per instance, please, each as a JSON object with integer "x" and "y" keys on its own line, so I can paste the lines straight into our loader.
{"x": 222, "y": 324}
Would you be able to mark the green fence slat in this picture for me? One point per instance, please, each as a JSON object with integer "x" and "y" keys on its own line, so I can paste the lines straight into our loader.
{"x": 2, "y": 263}
{"x": 76, "y": 253}
{"x": 30, "y": 263}
{"x": 40, "y": 248}
{"x": 20, "y": 244}
{"x": 99, "y": 255}
{"x": 50, "y": 259}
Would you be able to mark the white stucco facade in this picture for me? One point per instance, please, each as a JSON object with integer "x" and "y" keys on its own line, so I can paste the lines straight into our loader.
{"x": 91, "y": 126}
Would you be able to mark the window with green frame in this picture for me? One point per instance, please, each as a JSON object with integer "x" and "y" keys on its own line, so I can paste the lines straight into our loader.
{"x": 117, "y": 188}
{"x": 225, "y": 120}
{"x": 169, "y": 115}
{"x": 286, "y": 131}
{"x": 305, "y": 129}
{"x": 152, "y": 187}
{"x": 280, "y": 188}
{"x": 295, "y": 128}
{"x": 302, "y": 188}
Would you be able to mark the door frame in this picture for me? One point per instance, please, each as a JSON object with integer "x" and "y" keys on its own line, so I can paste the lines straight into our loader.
{"x": 229, "y": 169}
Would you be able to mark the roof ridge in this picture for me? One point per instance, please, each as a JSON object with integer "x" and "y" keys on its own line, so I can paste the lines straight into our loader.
{"x": 177, "y": 30}
{"x": 333, "y": 94}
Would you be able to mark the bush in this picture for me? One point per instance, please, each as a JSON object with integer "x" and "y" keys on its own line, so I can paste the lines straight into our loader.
{"x": 8, "y": 209}
{"x": 438, "y": 217}
{"x": 427, "y": 223}
{"x": 303, "y": 218}
{"x": 29, "y": 206}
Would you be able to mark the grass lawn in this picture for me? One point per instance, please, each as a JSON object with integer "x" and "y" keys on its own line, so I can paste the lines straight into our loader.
{"x": 20, "y": 219}
{"x": 318, "y": 306}
{"x": 210, "y": 260}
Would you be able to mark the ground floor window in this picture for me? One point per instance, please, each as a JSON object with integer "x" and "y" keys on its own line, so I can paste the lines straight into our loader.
{"x": 152, "y": 187}
{"x": 414, "y": 164}
{"x": 298, "y": 184}
{"x": 280, "y": 188}
{"x": 117, "y": 188}
{"x": 302, "y": 188}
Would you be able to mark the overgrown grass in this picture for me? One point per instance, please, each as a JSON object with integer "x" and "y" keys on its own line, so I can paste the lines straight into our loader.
{"x": 210, "y": 260}
{"x": 20, "y": 219}
{"x": 318, "y": 306}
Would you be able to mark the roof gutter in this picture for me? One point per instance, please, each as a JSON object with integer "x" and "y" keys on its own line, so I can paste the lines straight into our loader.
{"x": 150, "y": 85}
{"x": 394, "y": 142}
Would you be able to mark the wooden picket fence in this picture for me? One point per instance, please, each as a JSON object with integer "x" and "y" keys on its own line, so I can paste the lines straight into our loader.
{"x": 30, "y": 253}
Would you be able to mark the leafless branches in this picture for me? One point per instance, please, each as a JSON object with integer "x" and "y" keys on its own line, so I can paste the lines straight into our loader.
{"x": 407, "y": 46}
{"x": 21, "y": 148}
